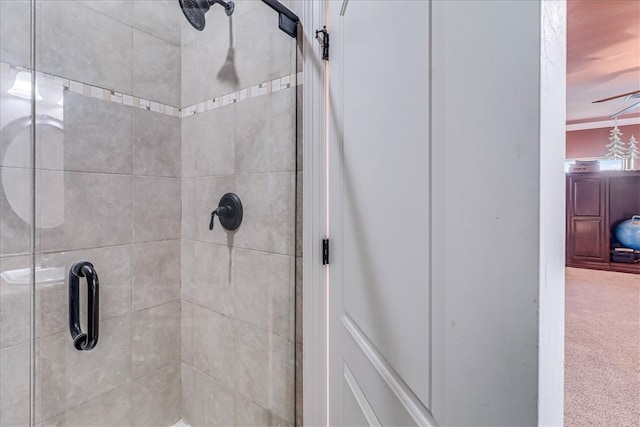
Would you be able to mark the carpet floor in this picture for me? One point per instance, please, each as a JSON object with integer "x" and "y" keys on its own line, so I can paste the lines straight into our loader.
{"x": 602, "y": 348}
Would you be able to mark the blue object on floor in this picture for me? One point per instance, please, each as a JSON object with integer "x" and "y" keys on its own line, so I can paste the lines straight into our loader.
{"x": 628, "y": 233}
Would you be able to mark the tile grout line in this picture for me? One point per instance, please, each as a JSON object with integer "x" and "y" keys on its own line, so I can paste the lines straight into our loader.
{"x": 243, "y": 248}
{"x": 111, "y": 95}
{"x": 92, "y": 400}
{"x": 102, "y": 319}
{"x": 235, "y": 319}
{"x": 232, "y": 391}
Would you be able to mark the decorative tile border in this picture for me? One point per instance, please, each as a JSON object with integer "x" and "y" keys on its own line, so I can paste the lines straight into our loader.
{"x": 80, "y": 88}
{"x": 95, "y": 91}
{"x": 243, "y": 94}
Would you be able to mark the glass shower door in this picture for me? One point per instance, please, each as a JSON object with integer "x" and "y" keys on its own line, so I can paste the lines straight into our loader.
{"x": 120, "y": 306}
{"x": 108, "y": 204}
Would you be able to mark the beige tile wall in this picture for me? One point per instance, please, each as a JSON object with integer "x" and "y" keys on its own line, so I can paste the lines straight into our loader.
{"x": 124, "y": 218}
{"x": 261, "y": 52}
{"x": 238, "y": 289}
{"x": 15, "y": 31}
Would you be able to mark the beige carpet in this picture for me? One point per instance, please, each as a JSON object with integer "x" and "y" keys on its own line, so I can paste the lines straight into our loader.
{"x": 602, "y": 365}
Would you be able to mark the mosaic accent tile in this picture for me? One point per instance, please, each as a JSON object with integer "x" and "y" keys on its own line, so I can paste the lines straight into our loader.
{"x": 117, "y": 98}
{"x": 61, "y": 82}
{"x": 76, "y": 87}
{"x": 275, "y": 85}
{"x": 265, "y": 88}
{"x": 261, "y": 89}
{"x": 229, "y": 99}
{"x": 95, "y": 92}
{"x": 254, "y": 91}
{"x": 285, "y": 82}
{"x": 127, "y": 100}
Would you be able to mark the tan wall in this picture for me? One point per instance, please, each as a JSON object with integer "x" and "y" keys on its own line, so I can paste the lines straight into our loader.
{"x": 591, "y": 142}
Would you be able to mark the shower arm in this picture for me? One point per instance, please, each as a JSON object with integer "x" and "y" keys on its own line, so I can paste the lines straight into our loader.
{"x": 227, "y": 6}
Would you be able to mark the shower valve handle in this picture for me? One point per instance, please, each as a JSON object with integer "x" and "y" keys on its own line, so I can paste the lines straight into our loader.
{"x": 222, "y": 212}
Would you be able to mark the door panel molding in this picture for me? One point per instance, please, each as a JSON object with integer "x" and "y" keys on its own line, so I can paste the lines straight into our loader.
{"x": 400, "y": 389}
{"x": 359, "y": 396}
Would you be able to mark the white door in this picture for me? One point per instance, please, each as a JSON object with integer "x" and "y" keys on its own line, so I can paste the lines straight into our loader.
{"x": 379, "y": 163}
{"x": 442, "y": 303}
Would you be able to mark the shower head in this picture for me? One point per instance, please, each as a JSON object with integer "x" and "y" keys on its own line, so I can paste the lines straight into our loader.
{"x": 194, "y": 10}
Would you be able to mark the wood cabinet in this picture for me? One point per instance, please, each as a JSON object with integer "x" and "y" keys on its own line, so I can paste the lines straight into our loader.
{"x": 596, "y": 203}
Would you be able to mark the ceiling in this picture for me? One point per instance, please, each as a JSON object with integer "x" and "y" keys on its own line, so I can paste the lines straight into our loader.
{"x": 603, "y": 57}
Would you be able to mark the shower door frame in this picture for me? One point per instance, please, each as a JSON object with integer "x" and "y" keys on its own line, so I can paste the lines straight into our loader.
{"x": 315, "y": 215}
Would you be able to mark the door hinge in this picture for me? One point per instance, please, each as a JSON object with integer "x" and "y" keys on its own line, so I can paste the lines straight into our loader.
{"x": 323, "y": 38}
{"x": 325, "y": 251}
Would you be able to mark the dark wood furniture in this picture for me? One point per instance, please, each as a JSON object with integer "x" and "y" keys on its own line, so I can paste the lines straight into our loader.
{"x": 596, "y": 203}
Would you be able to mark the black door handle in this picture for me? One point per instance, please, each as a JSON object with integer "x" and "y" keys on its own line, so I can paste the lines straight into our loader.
{"x": 84, "y": 341}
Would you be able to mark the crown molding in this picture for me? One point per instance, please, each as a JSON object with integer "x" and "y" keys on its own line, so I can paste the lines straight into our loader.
{"x": 603, "y": 124}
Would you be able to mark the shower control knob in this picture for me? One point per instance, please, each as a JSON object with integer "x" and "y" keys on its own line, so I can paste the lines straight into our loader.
{"x": 213, "y": 217}
{"x": 229, "y": 211}
{"x": 222, "y": 212}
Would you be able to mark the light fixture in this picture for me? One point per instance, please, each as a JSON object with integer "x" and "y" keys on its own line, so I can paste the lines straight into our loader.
{"x": 22, "y": 86}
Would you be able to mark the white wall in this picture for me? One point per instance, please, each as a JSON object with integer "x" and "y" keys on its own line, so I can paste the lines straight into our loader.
{"x": 498, "y": 211}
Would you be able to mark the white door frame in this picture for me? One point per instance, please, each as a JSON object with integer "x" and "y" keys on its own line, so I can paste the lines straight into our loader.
{"x": 551, "y": 297}
{"x": 314, "y": 219}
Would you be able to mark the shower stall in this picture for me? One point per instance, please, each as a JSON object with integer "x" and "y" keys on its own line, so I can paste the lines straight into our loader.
{"x": 149, "y": 221}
